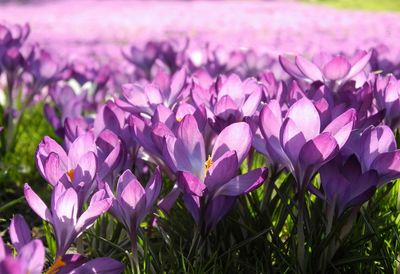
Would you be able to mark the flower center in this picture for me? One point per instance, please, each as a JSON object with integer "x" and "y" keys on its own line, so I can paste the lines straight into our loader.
{"x": 56, "y": 266}
{"x": 71, "y": 174}
{"x": 178, "y": 119}
{"x": 208, "y": 163}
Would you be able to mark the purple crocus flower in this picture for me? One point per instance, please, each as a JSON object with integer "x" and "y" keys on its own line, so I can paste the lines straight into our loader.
{"x": 30, "y": 253}
{"x": 345, "y": 184}
{"x": 78, "y": 264}
{"x": 77, "y": 168}
{"x": 68, "y": 224}
{"x": 387, "y": 95}
{"x": 296, "y": 141}
{"x": 150, "y": 133}
{"x": 132, "y": 202}
{"x": 230, "y": 102}
{"x": 145, "y": 98}
{"x": 325, "y": 67}
{"x": 211, "y": 185}
{"x": 377, "y": 150}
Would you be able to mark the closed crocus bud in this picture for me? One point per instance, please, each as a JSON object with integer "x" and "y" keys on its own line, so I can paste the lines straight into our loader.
{"x": 12, "y": 60}
{"x": 66, "y": 215}
{"x": 132, "y": 202}
{"x": 297, "y": 141}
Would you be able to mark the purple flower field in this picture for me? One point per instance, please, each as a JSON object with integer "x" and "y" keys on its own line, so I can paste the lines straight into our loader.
{"x": 198, "y": 137}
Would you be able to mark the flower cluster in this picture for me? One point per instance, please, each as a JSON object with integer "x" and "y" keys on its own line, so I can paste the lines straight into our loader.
{"x": 196, "y": 124}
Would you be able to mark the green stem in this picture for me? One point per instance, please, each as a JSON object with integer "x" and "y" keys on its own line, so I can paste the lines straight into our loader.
{"x": 300, "y": 233}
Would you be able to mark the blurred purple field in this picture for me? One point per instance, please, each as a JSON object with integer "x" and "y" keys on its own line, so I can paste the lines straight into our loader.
{"x": 274, "y": 27}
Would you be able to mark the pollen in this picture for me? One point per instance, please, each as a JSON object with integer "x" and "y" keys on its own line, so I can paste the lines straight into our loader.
{"x": 208, "y": 163}
{"x": 71, "y": 174}
{"x": 56, "y": 266}
{"x": 178, "y": 119}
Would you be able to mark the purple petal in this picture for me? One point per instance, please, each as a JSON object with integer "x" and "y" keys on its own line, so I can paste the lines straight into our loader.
{"x": 252, "y": 102}
{"x": 126, "y": 178}
{"x": 46, "y": 146}
{"x": 36, "y": 203}
{"x": 133, "y": 196}
{"x": 236, "y": 137}
{"x": 175, "y": 155}
{"x": 79, "y": 148}
{"x": 341, "y": 127}
{"x": 109, "y": 151}
{"x": 243, "y": 184}
{"x": 290, "y": 67}
{"x": 337, "y": 68}
{"x": 190, "y": 184}
{"x": 164, "y": 115}
{"x": 153, "y": 188}
{"x": 292, "y": 140}
{"x": 387, "y": 165}
{"x": 11, "y": 265}
{"x": 375, "y": 141}
{"x": 318, "y": 150}
{"x": 359, "y": 65}
{"x": 86, "y": 169}
{"x": 169, "y": 200}
{"x": 100, "y": 266}
{"x": 226, "y": 109}
{"x": 177, "y": 83}
{"x": 20, "y": 233}
{"x": 309, "y": 69}
{"x": 94, "y": 210}
{"x": 193, "y": 143}
{"x": 223, "y": 170}
{"x": 135, "y": 96}
{"x": 304, "y": 114}
{"x": 52, "y": 169}
{"x": 33, "y": 254}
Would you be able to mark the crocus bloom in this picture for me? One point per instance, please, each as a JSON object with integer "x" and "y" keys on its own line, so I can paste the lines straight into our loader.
{"x": 296, "y": 141}
{"x": 231, "y": 102}
{"x": 325, "y": 67}
{"x": 377, "y": 150}
{"x": 144, "y": 99}
{"x": 387, "y": 94}
{"x": 30, "y": 253}
{"x": 63, "y": 214}
{"x": 132, "y": 202}
{"x": 77, "y": 168}
{"x": 345, "y": 184}
{"x": 211, "y": 185}
{"x": 76, "y": 263}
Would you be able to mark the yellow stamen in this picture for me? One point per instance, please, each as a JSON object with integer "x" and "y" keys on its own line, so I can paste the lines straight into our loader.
{"x": 56, "y": 266}
{"x": 71, "y": 174}
{"x": 208, "y": 163}
{"x": 178, "y": 119}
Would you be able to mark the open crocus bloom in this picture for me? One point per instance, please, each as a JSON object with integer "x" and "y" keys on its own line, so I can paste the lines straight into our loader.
{"x": 326, "y": 67}
{"x": 211, "y": 185}
{"x": 296, "y": 141}
{"x": 63, "y": 214}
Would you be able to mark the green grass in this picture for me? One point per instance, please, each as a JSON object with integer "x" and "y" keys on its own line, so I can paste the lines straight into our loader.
{"x": 373, "y": 5}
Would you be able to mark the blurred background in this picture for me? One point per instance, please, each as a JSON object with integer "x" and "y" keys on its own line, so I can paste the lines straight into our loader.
{"x": 273, "y": 27}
